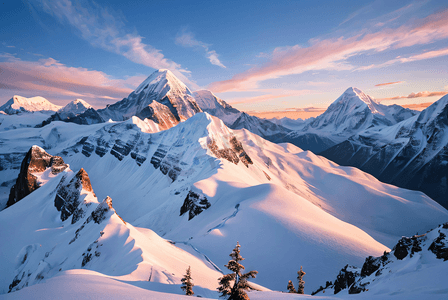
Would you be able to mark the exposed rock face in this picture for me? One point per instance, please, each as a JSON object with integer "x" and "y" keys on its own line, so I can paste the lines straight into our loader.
{"x": 233, "y": 154}
{"x": 440, "y": 245}
{"x": 36, "y": 160}
{"x": 194, "y": 204}
{"x": 160, "y": 114}
{"x": 88, "y": 117}
{"x": 432, "y": 243}
{"x": 67, "y": 195}
{"x": 345, "y": 278}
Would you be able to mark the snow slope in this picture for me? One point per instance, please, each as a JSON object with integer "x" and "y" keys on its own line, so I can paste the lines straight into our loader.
{"x": 215, "y": 106}
{"x": 204, "y": 187}
{"x": 78, "y": 284}
{"x": 19, "y": 104}
{"x": 43, "y": 241}
{"x": 226, "y": 180}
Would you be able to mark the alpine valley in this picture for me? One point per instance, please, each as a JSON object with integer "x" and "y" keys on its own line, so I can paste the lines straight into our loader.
{"x": 118, "y": 202}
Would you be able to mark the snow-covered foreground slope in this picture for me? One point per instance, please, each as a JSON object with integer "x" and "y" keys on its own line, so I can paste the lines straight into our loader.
{"x": 82, "y": 284}
{"x": 19, "y": 104}
{"x": 62, "y": 226}
{"x": 204, "y": 187}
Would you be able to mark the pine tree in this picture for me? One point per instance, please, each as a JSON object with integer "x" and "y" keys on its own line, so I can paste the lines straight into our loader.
{"x": 239, "y": 280}
{"x": 291, "y": 288}
{"x": 187, "y": 284}
{"x": 301, "y": 288}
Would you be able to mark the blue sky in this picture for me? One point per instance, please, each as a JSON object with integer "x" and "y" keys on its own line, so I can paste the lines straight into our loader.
{"x": 256, "y": 55}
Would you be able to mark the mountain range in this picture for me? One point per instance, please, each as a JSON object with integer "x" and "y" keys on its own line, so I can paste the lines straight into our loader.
{"x": 168, "y": 182}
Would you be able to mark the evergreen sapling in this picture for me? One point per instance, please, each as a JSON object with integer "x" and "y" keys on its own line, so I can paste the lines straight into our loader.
{"x": 291, "y": 288}
{"x": 301, "y": 288}
{"x": 187, "y": 284}
{"x": 235, "y": 284}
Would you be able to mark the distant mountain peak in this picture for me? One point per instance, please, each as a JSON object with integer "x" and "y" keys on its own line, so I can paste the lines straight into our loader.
{"x": 22, "y": 104}
{"x": 75, "y": 107}
{"x": 354, "y": 95}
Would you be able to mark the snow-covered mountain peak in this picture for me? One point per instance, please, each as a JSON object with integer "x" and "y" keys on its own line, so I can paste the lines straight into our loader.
{"x": 21, "y": 104}
{"x": 162, "y": 82}
{"x": 354, "y": 111}
{"x": 161, "y": 86}
{"x": 354, "y": 96}
{"x": 76, "y": 107}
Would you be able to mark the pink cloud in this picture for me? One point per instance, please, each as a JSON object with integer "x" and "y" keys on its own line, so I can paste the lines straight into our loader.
{"x": 388, "y": 83}
{"x": 57, "y": 81}
{"x": 333, "y": 53}
{"x": 417, "y": 95}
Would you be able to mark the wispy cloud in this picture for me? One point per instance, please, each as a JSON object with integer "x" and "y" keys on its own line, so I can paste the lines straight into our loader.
{"x": 271, "y": 95}
{"x": 417, "y": 57}
{"x": 333, "y": 54}
{"x": 186, "y": 38}
{"x": 389, "y": 83}
{"x": 417, "y": 95}
{"x": 57, "y": 81}
{"x": 104, "y": 28}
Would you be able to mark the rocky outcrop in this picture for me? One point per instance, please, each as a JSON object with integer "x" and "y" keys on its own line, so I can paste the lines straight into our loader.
{"x": 433, "y": 243}
{"x": 36, "y": 160}
{"x": 194, "y": 204}
{"x": 345, "y": 278}
{"x": 68, "y": 194}
{"x": 234, "y": 154}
